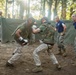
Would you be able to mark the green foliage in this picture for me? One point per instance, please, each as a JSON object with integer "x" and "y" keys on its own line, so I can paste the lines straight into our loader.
{"x": 2, "y": 6}
{"x": 63, "y": 8}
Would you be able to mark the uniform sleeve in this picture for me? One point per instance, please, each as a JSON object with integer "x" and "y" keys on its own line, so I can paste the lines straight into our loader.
{"x": 63, "y": 24}
{"x": 56, "y": 26}
{"x": 34, "y": 27}
{"x": 22, "y": 27}
{"x": 42, "y": 28}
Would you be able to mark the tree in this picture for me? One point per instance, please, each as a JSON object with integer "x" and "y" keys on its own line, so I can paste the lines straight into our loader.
{"x": 72, "y": 7}
{"x": 63, "y": 8}
{"x": 55, "y": 9}
{"x": 64, "y": 5}
{"x": 21, "y": 5}
{"x": 28, "y": 9}
{"x": 49, "y": 8}
{"x": 56, "y": 3}
{"x": 43, "y": 7}
{"x": 2, "y": 6}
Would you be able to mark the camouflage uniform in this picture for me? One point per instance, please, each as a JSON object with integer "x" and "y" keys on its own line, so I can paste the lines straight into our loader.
{"x": 26, "y": 34}
{"x": 60, "y": 38}
{"x": 75, "y": 46}
{"x": 60, "y": 41}
{"x": 74, "y": 59}
{"x": 47, "y": 44}
{"x": 74, "y": 24}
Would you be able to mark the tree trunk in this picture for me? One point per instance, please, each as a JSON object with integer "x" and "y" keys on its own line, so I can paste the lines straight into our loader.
{"x": 6, "y": 10}
{"x": 55, "y": 9}
{"x": 64, "y": 9}
{"x": 28, "y": 9}
{"x": 49, "y": 10}
{"x": 44, "y": 8}
{"x": 71, "y": 9}
{"x": 21, "y": 10}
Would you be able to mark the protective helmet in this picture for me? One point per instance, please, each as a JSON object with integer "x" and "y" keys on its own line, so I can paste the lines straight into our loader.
{"x": 44, "y": 18}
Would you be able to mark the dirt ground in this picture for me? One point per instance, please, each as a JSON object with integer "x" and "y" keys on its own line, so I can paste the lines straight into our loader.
{"x": 25, "y": 64}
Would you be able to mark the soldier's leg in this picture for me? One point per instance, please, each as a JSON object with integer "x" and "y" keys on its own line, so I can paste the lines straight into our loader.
{"x": 59, "y": 51}
{"x": 33, "y": 37}
{"x": 62, "y": 45}
{"x": 16, "y": 56}
{"x": 16, "y": 49}
{"x": 58, "y": 43}
{"x": 53, "y": 58}
{"x": 36, "y": 57}
{"x": 75, "y": 46}
{"x": 74, "y": 59}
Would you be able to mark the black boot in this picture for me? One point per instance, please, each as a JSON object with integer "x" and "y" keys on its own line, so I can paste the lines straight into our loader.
{"x": 9, "y": 64}
{"x": 64, "y": 52}
{"x": 59, "y": 53}
{"x": 58, "y": 67}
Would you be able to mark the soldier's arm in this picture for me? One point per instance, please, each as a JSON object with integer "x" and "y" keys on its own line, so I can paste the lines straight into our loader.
{"x": 64, "y": 26}
{"x": 36, "y": 30}
{"x": 18, "y": 33}
{"x": 53, "y": 28}
{"x": 24, "y": 41}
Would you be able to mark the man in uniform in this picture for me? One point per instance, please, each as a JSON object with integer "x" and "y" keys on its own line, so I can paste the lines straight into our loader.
{"x": 74, "y": 24}
{"x": 22, "y": 36}
{"x": 47, "y": 43}
{"x": 60, "y": 28}
{"x": 33, "y": 35}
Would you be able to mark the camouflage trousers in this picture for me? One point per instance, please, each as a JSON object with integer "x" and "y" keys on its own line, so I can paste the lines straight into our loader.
{"x": 33, "y": 37}
{"x": 16, "y": 54}
{"x": 43, "y": 47}
{"x": 60, "y": 41}
{"x": 75, "y": 45}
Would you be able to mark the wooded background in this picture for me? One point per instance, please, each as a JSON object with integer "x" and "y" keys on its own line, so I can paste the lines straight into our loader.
{"x": 21, "y": 9}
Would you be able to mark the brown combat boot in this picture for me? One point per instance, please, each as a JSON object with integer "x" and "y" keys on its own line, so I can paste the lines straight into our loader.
{"x": 59, "y": 53}
{"x": 64, "y": 53}
{"x": 37, "y": 69}
{"x": 58, "y": 67}
{"x": 9, "y": 64}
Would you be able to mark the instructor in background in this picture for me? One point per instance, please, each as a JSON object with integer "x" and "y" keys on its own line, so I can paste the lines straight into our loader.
{"x": 60, "y": 28}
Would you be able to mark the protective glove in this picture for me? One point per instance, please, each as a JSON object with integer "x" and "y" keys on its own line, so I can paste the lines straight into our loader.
{"x": 23, "y": 41}
{"x": 34, "y": 27}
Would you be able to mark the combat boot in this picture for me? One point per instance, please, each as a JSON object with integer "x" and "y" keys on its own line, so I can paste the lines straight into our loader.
{"x": 58, "y": 67}
{"x": 9, "y": 64}
{"x": 64, "y": 53}
{"x": 13, "y": 53}
{"x": 37, "y": 69}
{"x": 59, "y": 53}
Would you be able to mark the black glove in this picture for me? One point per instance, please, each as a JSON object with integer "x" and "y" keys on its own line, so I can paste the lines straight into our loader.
{"x": 23, "y": 41}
